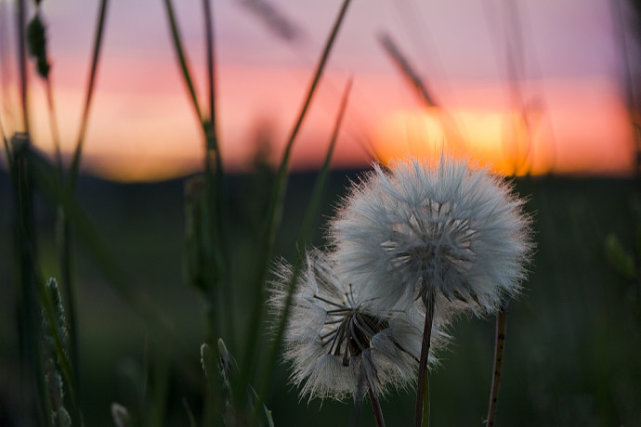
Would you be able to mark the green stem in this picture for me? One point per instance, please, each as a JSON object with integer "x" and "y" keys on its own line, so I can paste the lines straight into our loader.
{"x": 22, "y": 64}
{"x": 422, "y": 407}
{"x": 75, "y": 163}
{"x": 7, "y": 148}
{"x": 32, "y": 372}
{"x": 276, "y": 206}
{"x": 184, "y": 66}
{"x": 499, "y": 342}
{"x": 64, "y": 241}
{"x": 53, "y": 123}
{"x": 214, "y": 178}
{"x": 305, "y": 233}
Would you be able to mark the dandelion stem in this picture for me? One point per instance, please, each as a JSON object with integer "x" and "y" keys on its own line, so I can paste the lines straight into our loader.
{"x": 376, "y": 408}
{"x": 499, "y": 341}
{"x": 422, "y": 396}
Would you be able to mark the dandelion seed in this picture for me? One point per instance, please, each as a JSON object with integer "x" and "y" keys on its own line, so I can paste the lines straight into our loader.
{"x": 443, "y": 229}
{"x": 336, "y": 341}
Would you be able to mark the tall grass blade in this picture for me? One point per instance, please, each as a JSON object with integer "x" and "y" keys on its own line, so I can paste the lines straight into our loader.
{"x": 406, "y": 69}
{"x": 7, "y": 148}
{"x": 97, "y": 43}
{"x": 276, "y": 206}
{"x": 274, "y": 19}
{"x": 450, "y": 128}
{"x": 211, "y": 80}
{"x": 184, "y": 65}
{"x": 37, "y": 46}
{"x": 53, "y": 123}
{"x": 311, "y": 215}
{"x": 32, "y": 373}
{"x": 214, "y": 178}
{"x": 22, "y": 63}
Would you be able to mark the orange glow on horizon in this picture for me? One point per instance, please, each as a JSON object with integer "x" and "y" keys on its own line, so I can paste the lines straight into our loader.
{"x": 507, "y": 144}
{"x": 477, "y": 135}
{"x": 140, "y": 133}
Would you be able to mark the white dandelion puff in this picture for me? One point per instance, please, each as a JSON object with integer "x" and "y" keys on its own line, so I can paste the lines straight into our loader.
{"x": 336, "y": 341}
{"x": 441, "y": 229}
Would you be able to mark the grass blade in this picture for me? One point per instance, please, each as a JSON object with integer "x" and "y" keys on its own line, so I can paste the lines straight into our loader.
{"x": 215, "y": 189}
{"x": 22, "y": 63}
{"x": 75, "y": 163}
{"x": 53, "y": 121}
{"x": 406, "y": 69}
{"x": 32, "y": 373}
{"x": 276, "y": 206}
{"x": 184, "y": 65}
{"x": 7, "y": 148}
{"x": 450, "y": 128}
{"x": 311, "y": 215}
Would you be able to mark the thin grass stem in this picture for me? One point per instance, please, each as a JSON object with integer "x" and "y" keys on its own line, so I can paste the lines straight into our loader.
{"x": 214, "y": 179}
{"x": 276, "y": 205}
{"x": 211, "y": 79}
{"x": 376, "y": 408}
{"x": 22, "y": 64}
{"x": 308, "y": 221}
{"x": 53, "y": 124}
{"x": 7, "y": 149}
{"x": 189, "y": 412}
{"x": 499, "y": 342}
{"x": 422, "y": 408}
{"x": 447, "y": 121}
{"x": 64, "y": 228}
{"x": 32, "y": 372}
{"x": 84, "y": 121}
{"x": 64, "y": 240}
{"x": 184, "y": 65}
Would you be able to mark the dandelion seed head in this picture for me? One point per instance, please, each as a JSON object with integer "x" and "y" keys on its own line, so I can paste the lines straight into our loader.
{"x": 442, "y": 227}
{"x": 337, "y": 339}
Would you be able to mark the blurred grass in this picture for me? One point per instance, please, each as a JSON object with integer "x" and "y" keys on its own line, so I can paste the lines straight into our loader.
{"x": 573, "y": 338}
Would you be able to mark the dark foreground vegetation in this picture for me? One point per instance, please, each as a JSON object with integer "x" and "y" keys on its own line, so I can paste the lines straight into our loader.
{"x": 574, "y": 335}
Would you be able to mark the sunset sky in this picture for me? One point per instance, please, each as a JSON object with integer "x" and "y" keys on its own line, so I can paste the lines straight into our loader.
{"x": 142, "y": 126}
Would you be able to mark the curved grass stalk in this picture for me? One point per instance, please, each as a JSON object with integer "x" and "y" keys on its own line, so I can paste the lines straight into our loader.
{"x": 97, "y": 44}
{"x": 276, "y": 206}
{"x": 305, "y": 232}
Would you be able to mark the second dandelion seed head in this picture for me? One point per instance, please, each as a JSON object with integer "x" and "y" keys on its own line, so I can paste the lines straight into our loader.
{"x": 438, "y": 228}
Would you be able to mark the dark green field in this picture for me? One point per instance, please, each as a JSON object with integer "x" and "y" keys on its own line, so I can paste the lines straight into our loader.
{"x": 573, "y": 350}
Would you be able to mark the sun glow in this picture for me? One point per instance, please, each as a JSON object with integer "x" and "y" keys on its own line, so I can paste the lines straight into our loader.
{"x": 504, "y": 142}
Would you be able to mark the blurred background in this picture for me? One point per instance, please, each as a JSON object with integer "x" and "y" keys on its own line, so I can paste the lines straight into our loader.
{"x": 545, "y": 93}
{"x": 542, "y": 83}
